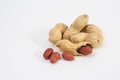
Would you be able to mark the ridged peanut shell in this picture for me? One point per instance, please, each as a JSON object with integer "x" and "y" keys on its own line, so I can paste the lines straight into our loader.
{"x": 56, "y": 33}
{"x": 67, "y": 46}
{"x": 79, "y": 37}
{"x": 77, "y": 26}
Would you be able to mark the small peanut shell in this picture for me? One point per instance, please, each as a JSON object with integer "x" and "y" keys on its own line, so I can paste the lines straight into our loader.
{"x": 67, "y": 46}
{"x": 56, "y": 33}
{"x": 77, "y": 26}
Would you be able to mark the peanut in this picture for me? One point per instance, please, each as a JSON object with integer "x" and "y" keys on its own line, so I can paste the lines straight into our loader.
{"x": 94, "y": 40}
{"x": 56, "y": 33}
{"x": 95, "y": 36}
{"x": 54, "y": 57}
{"x": 77, "y": 26}
{"x": 79, "y": 37}
{"x": 91, "y": 28}
{"x": 67, "y": 56}
{"x": 67, "y": 46}
{"x": 48, "y": 52}
{"x": 85, "y": 50}
{"x": 91, "y": 34}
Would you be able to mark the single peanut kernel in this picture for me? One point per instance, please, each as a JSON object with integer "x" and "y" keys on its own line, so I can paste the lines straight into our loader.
{"x": 85, "y": 50}
{"x": 48, "y": 52}
{"x": 54, "y": 57}
{"x": 67, "y": 56}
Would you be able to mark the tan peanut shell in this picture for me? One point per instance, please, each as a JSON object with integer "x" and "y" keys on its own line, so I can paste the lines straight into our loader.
{"x": 67, "y": 46}
{"x": 79, "y": 37}
{"x": 91, "y": 28}
{"x": 56, "y": 33}
{"x": 95, "y": 36}
{"x": 91, "y": 34}
{"x": 94, "y": 39}
{"x": 77, "y": 26}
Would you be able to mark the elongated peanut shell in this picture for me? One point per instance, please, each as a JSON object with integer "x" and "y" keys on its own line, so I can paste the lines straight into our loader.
{"x": 91, "y": 34}
{"x": 77, "y": 26}
{"x": 67, "y": 46}
{"x": 56, "y": 33}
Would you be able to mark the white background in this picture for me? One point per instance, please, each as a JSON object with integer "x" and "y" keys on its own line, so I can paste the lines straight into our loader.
{"x": 24, "y": 27}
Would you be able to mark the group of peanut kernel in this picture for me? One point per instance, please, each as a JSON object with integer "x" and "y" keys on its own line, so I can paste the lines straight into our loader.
{"x": 79, "y": 39}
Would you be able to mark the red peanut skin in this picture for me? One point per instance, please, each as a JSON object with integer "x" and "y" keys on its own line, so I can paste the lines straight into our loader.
{"x": 48, "y": 52}
{"x": 85, "y": 50}
{"x": 67, "y": 56}
{"x": 54, "y": 57}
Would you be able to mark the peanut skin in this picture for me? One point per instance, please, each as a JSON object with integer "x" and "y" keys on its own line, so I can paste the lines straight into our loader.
{"x": 54, "y": 57}
{"x": 85, "y": 50}
{"x": 67, "y": 56}
{"x": 48, "y": 52}
{"x": 77, "y": 26}
{"x": 67, "y": 46}
{"x": 56, "y": 33}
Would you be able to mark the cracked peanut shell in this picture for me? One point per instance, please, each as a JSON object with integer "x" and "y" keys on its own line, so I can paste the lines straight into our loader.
{"x": 67, "y": 46}
{"x": 91, "y": 34}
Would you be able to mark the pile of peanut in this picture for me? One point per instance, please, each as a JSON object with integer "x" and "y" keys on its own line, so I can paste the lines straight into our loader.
{"x": 79, "y": 39}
